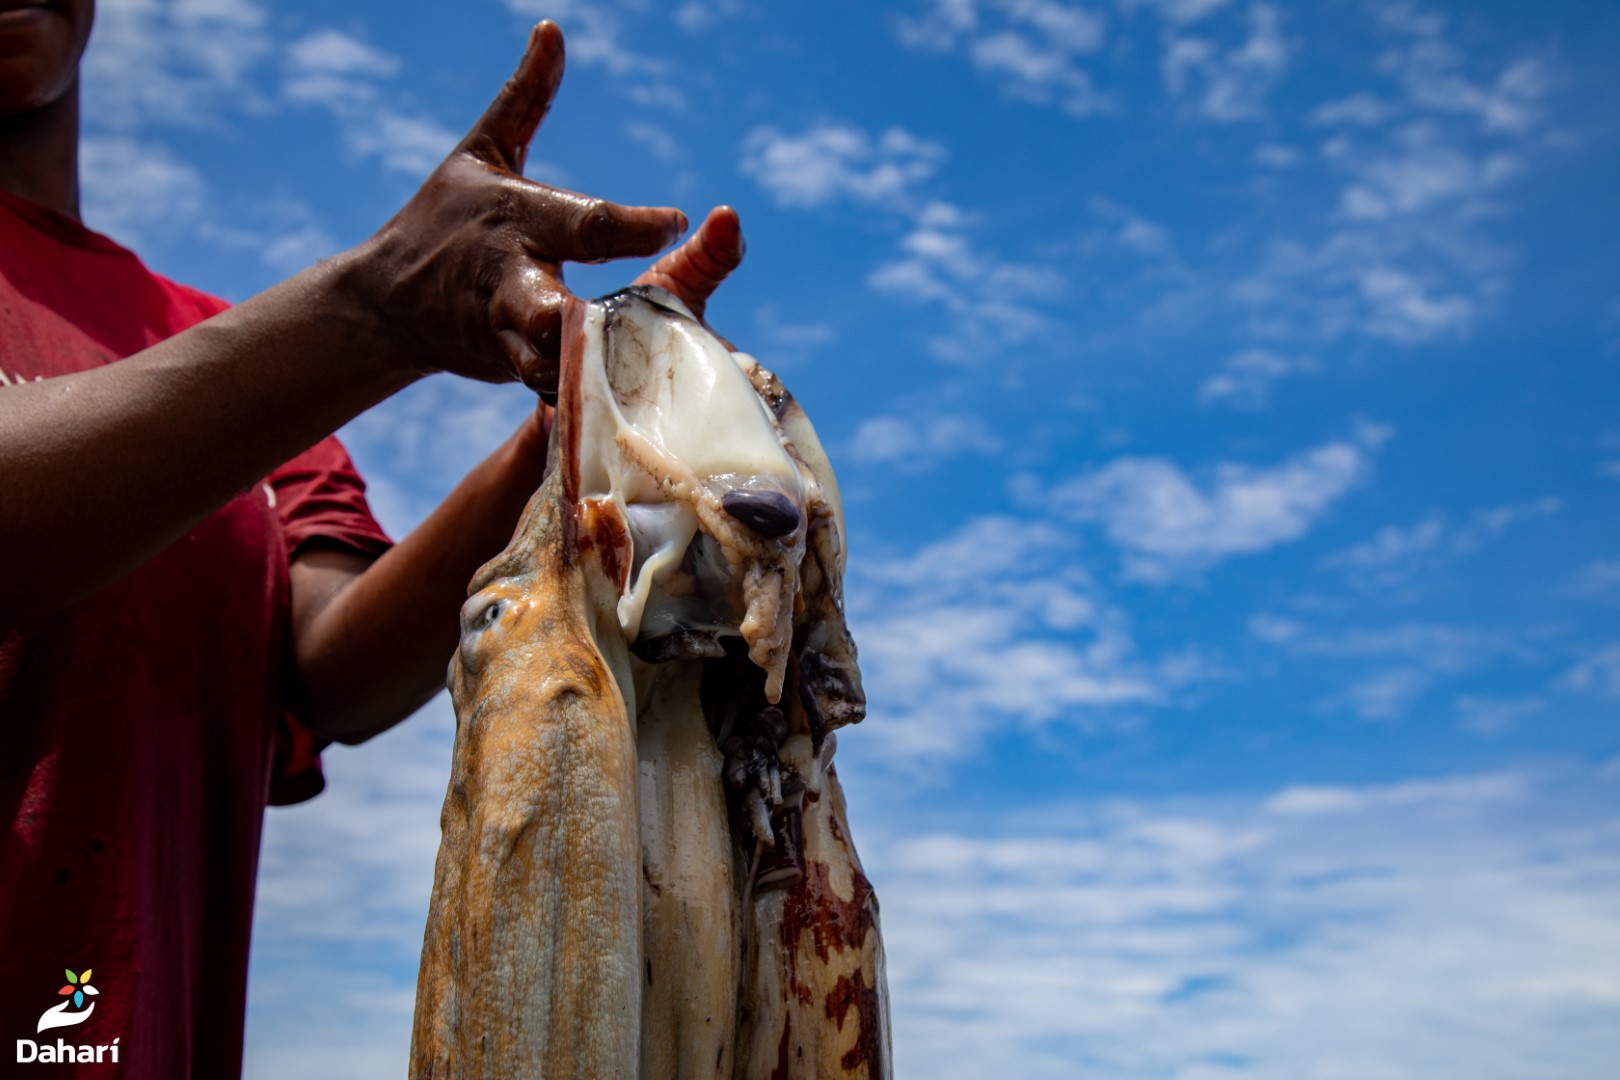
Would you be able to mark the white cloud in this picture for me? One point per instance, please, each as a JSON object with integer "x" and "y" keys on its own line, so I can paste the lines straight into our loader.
{"x": 1417, "y": 171}
{"x": 1384, "y": 695}
{"x": 1229, "y": 85}
{"x": 785, "y": 339}
{"x": 657, "y": 139}
{"x": 1401, "y": 281}
{"x": 405, "y": 143}
{"x": 1433, "y": 73}
{"x": 1451, "y": 924}
{"x": 1600, "y": 577}
{"x": 1170, "y": 524}
{"x": 924, "y": 442}
{"x": 135, "y": 190}
{"x": 334, "y": 69}
{"x": 695, "y": 17}
{"x": 1178, "y": 11}
{"x": 419, "y": 445}
{"x": 595, "y": 32}
{"x": 994, "y": 627}
{"x": 334, "y": 51}
{"x": 1276, "y": 156}
{"x": 1309, "y": 799}
{"x": 1496, "y": 715}
{"x": 1246, "y": 378}
{"x": 302, "y": 247}
{"x": 991, "y": 303}
{"x": 182, "y": 62}
{"x": 1031, "y": 48}
{"x": 1437, "y": 647}
{"x": 1411, "y": 252}
{"x": 348, "y": 875}
{"x": 1395, "y": 554}
{"x": 1125, "y": 230}
{"x": 829, "y": 162}
{"x": 1392, "y": 546}
{"x": 348, "y": 77}
{"x": 1598, "y": 673}
{"x": 1360, "y": 108}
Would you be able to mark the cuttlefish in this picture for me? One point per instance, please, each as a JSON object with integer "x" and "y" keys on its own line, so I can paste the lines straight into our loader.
{"x": 646, "y": 867}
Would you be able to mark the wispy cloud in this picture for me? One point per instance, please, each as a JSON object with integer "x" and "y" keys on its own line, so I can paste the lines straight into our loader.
{"x": 992, "y": 303}
{"x": 347, "y": 77}
{"x": 1383, "y": 695}
{"x": 1598, "y": 673}
{"x": 1395, "y": 554}
{"x": 995, "y": 626}
{"x": 1464, "y": 790}
{"x": 429, "y": 437}
{"x": 1458, "y": 923}
{"x": 1170, "y": 524}
{"x": 348, "y": 875}
{"x": 597, "y": 37}
{"x": 1246, "y": 378}
{"x": 1496, "y": 715}
{"x": 1228, "y": 84}
{"x": 922, "y": 442}
{"x": 135, "y": 189}
{"x": 1439, "y": 647}
{"x": 1434, "y": 73}
{"x": 1032, "y": 49}
{"x": 174, "y": 62}
{"x": 1600, "y": 577}
{"x": 830, "y": 161}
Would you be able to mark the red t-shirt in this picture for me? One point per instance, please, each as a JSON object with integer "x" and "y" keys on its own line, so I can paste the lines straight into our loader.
{"x": 141, "y": 729}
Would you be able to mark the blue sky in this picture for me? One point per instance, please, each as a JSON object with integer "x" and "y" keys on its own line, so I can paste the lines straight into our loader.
{"x": 1224, "y": 397}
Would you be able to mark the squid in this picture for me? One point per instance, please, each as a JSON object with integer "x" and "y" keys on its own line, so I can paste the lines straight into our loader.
{"x": 646, "y": 866}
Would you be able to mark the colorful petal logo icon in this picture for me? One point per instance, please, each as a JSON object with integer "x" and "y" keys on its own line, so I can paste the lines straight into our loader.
{"x": 78, "y": 988}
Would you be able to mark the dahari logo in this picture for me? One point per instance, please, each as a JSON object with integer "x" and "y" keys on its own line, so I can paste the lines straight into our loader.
{"x": 78, "y": 986}
{"x": 67, "y": 1014}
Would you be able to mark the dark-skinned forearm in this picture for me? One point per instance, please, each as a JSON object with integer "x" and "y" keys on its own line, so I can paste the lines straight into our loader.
{"x": 105, "y": 468}
{"x": 373, "y": 649}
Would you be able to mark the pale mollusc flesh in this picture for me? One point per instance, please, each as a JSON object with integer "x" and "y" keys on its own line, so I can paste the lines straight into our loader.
{"x": 646, "y": 869}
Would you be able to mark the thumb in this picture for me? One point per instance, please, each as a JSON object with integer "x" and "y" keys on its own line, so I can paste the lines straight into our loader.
{"x": 501, "y": 136}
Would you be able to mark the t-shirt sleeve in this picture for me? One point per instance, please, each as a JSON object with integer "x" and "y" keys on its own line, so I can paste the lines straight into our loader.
{"x": 320, "y": 499}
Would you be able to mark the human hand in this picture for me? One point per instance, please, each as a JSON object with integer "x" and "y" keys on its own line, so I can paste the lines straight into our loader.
{"x": 468, "y": 276}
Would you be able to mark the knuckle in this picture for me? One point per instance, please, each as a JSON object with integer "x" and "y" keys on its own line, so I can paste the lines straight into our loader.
{"x": 596, "y": 225}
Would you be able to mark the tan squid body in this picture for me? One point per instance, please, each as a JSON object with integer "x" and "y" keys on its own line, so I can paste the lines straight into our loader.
{"x": 646, "y": 867}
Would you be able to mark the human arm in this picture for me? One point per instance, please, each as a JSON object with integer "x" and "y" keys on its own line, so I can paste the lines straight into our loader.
{"x": 107, "y": 467}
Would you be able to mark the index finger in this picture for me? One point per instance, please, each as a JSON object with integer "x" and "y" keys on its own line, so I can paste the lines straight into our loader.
{"x": 566, "y": 226}
{"x": 501, "y": 136}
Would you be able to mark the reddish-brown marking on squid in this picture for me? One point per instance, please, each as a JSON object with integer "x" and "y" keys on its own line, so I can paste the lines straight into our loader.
{"x": 605, "y": 532}
{"x": 815, "y": 907}
{"x": 868, "y": 1048}
{"x": 781, "y": 1070}
{"x": 569, "y": 414}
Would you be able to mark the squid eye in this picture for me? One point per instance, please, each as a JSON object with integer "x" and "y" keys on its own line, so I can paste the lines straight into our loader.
{"x": 481, "y": 613}
{"x": 769, "y": 513}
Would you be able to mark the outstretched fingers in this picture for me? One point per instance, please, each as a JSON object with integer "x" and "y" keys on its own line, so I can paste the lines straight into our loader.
{"x": 695, "y": 269}
{"x": 501, "y": 136}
